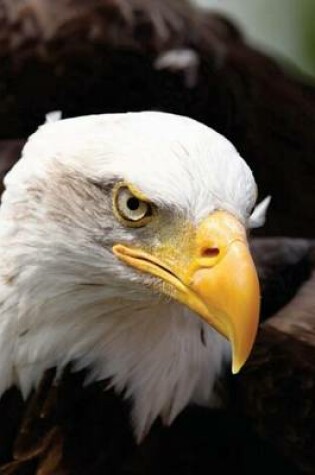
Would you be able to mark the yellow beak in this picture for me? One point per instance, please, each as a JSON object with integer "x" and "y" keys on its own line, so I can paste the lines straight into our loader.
{"x": 217, "y": 280}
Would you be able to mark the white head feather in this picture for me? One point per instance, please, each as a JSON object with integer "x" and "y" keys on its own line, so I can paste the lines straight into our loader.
{"x": 65, "y": 297}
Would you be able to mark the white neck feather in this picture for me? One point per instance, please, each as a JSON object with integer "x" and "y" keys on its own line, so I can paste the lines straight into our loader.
{"x": 159, "y": 355}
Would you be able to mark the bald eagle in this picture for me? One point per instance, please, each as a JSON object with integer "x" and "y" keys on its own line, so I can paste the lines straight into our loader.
{"x": 124, "y": 255}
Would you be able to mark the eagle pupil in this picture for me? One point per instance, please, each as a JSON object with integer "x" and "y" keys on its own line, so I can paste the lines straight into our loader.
{"x": 133, "y": 204}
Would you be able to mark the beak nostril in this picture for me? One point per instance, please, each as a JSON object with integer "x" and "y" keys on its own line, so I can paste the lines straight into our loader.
{"x": 210, "y": 252}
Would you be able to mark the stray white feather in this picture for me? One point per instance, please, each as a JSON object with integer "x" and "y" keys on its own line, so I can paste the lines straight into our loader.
{"x": 258, "y": 216}
{"x": 180, "y": 60}
{"x": 53, "y": 116}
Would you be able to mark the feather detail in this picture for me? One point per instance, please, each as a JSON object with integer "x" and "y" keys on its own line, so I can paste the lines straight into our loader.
{"x": 37, "y": 448}
{"x": 258, "y": 216}
{"x": 53, "y": 116}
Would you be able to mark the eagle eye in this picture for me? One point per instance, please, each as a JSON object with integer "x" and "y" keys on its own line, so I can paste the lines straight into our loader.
{"x": 131, "y": 209}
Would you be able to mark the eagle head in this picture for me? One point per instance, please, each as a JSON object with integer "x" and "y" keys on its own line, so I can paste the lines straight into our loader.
{"x": 124, "y": 250}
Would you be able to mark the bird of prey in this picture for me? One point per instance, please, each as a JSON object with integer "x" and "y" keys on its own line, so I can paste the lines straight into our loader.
{"x": 124, "y": 253}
